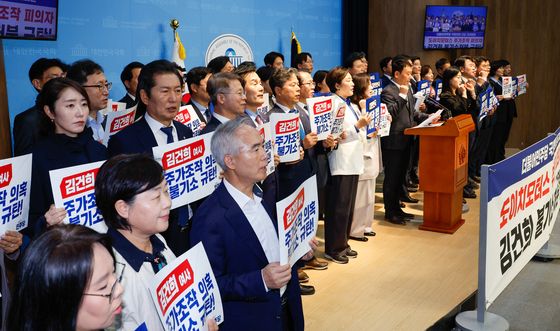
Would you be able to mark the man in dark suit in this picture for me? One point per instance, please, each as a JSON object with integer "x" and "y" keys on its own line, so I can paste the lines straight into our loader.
{"x": 159, "y": 91}
{"x": 129, "y": 78}
{"x": 356, "y": 63}
{"x": 228, "y": 97}
{"x": 386, "y": 71}
{"x": 240, "y": 236}
{"x": 197, "y": 80}
{"x": 285, "y": 86}
{"x": 396, "y": 146}
{"x": 27, "y": 123}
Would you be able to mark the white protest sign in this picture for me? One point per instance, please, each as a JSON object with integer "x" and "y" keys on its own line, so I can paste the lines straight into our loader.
{"x": 265, "y": 107}
{"x": 338, "y": 118}
{"x": 187, "y": 116}
{"x": 384, "y": 123}
{"x": 320, "y": 115}
{"x": 522, "y": 83}
{"x": 191, "y": 172}
{"x": 186, "y": 294}
{"x": 74, "y": 190}
{"x": 118, "y": 120}
{"x": 297, "y": 221}
{"x": 113, "y": 106}
{"x": 286, "y": 131}
{"x": 15, "y": 190}
{"x": 420, "y": 97}
{"x": 266, "y": 133}
{"x": 507, "y": 88}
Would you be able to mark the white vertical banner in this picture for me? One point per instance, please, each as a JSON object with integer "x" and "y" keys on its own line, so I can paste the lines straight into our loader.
{"x": 186, "y": 294}
{"x": 118, "y": 120}
{"x": 15, "y": 190}
{"x": 320, "y": 115}
{"x": 286, "y": 131}
{"x": 73, "y": 189}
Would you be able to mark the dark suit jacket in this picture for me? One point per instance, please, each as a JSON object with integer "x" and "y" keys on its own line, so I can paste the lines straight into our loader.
{"x": 507, "y": 109}
{"x": 237, "y": 258}
{"x": 290, "y": 176}
{"x": 128, "y": 100}
{"x": 27, "y": 130}
{"x": 138, "y": 138}
{"x": 385, "y": 81}
{"x": 211, "y": 126}
{"x": 198, "y": 112}
{"x": 55, "y": 152}
{"x": 404, "y": 117}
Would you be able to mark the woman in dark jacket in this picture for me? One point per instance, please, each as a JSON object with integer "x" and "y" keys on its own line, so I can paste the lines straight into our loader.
{"x": 66, "y": 107}
{"x": 459, "y": 98}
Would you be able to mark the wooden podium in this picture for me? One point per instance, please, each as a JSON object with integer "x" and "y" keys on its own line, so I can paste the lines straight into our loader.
{"x": 443, "y": 172}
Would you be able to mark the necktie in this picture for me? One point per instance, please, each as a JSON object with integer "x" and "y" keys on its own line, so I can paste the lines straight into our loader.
{"x": 301, "y": 130}
{"x": 207, "y": 114}
{"x": 169, "y": 133}
{"x": 259, "y": 120}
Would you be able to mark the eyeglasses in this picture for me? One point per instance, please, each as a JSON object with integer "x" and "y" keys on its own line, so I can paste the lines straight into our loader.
{"x": 112, "y": 293}
{"x": 107, "y": 85}
{"x": 241, "y": 94}
{"x": 312, "y": 84}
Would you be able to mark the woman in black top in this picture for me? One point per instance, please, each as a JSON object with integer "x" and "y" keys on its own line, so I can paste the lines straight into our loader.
{"x": 459, "y": 98}
{"x": 66, "y": 107}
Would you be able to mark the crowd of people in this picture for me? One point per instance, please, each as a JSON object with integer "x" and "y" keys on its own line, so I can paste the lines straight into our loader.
{"x": 76, "y": 278}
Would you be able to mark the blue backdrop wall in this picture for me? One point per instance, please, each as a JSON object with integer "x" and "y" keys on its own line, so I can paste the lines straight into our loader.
{"x": 116, "y": 32}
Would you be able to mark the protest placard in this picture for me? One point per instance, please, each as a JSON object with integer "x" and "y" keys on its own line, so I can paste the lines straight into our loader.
{"x": 186, "y": 294}
{"x": 15, "y": 190}
{"x": 118, "y": 120}
{"x": 384, "y": 123}
{"x": 338, "y": 117}
{"x": 522, "y": 83}
{"x": 375, "y": 82}
{"x": 438, "y": 89}
{"x": 113, "y": 106}
{"x": 424, "y": 87}
{"x": 74, "y": 190}
{"x": 265, "y": 107}
{"x": 286, "y": 131}
{"x": 507, "y": 89}
{"x": 266, "y": 133}
{"x": 320, "y": 115}
{"x": 191, "y": 172}
{"x": 484, "y": 102}
{"x": 187, "y": 116}
{"x": 298, "y": 215}
{"x": 373, "y": 107}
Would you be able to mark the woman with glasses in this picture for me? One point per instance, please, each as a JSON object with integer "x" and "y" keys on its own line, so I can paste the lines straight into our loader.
{"x": 66, "y": 105}
{"x": 66, "y": 281}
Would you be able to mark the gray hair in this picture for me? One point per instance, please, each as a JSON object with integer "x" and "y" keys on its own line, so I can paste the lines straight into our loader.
{"x": 225, "y": 142}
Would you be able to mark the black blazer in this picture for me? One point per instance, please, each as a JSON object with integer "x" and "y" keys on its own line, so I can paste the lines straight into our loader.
{"x": 138, "y": 138}
{"x": 198, "y": 112}
{"x": 211, "y": 126}
{"x": 404, "y": 117}
{"x": 27, "y": 130}
{"x": 385, "y": 81}
{"x": 128, "y": 100}
{"x": 507, "y": 109}
{"x": 459, "y": 105}
{"x": 55, "y": 152}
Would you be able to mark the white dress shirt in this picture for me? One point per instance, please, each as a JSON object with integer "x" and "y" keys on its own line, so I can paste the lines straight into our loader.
{"x": 155, "y": 126}
{"x": 96, "y": 125}
{"x": 220, "y": 118}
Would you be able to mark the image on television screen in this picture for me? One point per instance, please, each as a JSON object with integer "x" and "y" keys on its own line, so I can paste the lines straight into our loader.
{"x": 28, "y": 19}
{"x": 454, "y": 27}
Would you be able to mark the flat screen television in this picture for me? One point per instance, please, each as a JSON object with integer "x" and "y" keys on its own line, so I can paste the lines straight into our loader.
{"x": 28, "y": 19}
{"x": 454, "y": 27}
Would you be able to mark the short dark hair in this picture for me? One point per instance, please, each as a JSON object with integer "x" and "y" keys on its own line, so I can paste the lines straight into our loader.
{"x": 280, "y": 77}
{"x": 302, "y": 57}
{"x": 448, "y": 74}
{"x": 196, "y": 75}
{"x": 50, "y": 93}
{"x": 441, "y": 62}
{"x": 217, "y": 64}
{"x": 270, "y": 57}
{"x": 479, "y": 59}
{"x": 219, "y": 82}
{"x": 79, "y": 70}
{"x": 384, "y": 62}
{"x": 126, "y": 74}
{"x": 414, "y": 58}
{"x": 265, "y": 73}
{"x": 424, "y": 70}
{"x": 495, "y": 65}
{"x": 123, "y": 177}
{"x": 461, "y": 60}
{"x": 353, "y": 57}
{"x": 147, "y": 80}
{"x": 399, "y": 62}
{"x": 244, "y": 68}
{"x": 52, "y": 277}
{"x": 318, "y": 78}
{"x": 335, "y": 76}
{"x": 39, "y": 67}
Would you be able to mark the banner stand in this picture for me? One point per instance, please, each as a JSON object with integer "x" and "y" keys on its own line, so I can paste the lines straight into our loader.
{"x": 480, "y": 319}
